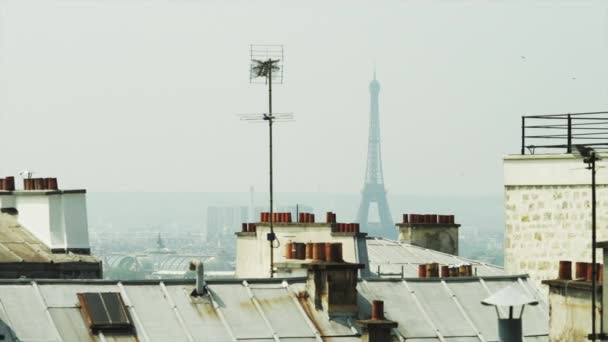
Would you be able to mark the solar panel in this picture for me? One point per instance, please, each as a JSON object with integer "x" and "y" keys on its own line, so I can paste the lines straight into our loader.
{"x": 105, "y": 311}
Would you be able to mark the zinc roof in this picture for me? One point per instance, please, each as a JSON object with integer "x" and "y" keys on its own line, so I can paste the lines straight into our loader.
{"x": 431, "y": 309}
{"x": 387, "y": 259}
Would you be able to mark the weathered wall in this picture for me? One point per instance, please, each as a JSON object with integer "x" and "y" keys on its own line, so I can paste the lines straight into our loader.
{"x": 548, "y": 213}
{"x": 570, "y": 314}
{"x": 545, "y": 224}
{"x": 442, "y": 238}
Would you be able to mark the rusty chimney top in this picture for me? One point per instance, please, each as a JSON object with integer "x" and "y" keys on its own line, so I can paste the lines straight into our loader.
{"x": 378, "y": 328}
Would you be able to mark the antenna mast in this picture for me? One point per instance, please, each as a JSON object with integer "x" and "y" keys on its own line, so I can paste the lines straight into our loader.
{"x": 266, "y": 66}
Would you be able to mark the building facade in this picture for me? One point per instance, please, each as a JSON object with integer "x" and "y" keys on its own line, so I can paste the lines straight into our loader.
{"x": 548, "y": 212}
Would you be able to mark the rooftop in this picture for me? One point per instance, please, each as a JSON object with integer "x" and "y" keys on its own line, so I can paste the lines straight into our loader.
{"x": 431, "y": 309}
{"x": 17, "y": 244}
{"x": 387, "y": 258}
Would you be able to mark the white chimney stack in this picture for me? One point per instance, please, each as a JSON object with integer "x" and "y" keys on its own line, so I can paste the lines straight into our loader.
{"x": 56, "y": 217}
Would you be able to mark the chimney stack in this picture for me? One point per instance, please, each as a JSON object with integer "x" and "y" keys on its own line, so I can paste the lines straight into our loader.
{"x": 378, "y": 328}
{"x": 436, "y": 232}
{"x": 331, "y": 283}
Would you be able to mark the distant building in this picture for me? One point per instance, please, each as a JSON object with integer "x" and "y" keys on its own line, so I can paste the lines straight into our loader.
{"x": 159, "y": 262}
{"x": 223, "y": 218}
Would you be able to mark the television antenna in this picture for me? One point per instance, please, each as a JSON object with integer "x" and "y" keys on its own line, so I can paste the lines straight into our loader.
{"x": 267, "y": 67}
{"x": 26, "y": 174}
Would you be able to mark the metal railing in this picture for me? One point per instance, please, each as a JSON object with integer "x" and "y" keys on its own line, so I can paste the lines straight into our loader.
{"x": 560, "y": 133}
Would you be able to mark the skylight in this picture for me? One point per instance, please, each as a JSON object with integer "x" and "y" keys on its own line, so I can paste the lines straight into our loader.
{"x": 105, "y": 311}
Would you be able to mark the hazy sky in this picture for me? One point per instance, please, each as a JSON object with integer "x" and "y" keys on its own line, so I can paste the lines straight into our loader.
{"x": 129, "y": 95}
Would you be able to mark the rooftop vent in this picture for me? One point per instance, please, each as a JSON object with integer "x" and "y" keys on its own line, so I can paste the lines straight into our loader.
{"x": 197, "y": 266}
{"x": 104, "y": 311}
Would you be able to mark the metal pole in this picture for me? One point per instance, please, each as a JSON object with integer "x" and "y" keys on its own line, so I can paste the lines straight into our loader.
{"x": 594, "y": 267}
{"x": 270, "y": 148}
{"x": 569, "y": 148}
{"x": 523, "y": 135}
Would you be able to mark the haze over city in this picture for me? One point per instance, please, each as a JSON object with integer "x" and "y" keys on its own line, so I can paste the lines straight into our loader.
{"x": 144, "y": 95}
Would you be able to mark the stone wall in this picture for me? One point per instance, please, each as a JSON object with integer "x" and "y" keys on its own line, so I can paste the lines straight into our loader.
{"x": 439, "y": 237}
{"x": 548, "y": 223}
{"x": 570, "y": 311}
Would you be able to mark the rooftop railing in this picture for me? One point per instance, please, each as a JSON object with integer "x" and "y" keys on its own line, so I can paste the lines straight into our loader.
{"x": 560, "y": 133}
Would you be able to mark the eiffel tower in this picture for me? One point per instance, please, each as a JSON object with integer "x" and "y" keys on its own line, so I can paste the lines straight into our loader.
{"x": 373, "y": 189}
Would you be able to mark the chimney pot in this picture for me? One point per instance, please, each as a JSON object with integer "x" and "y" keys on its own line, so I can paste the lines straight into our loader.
{"x": 9, "y": 183}
{"x": 565, "y": 270}
{"x": 405, "y": 218}
{"x": 244, "y": 227}
{"x": 422, "y": 271}
{"x": 462, "y": 270}
{"x": 309, "y": 248}
{"x": 51, "y": 183}
{"x": 377, "y": 310}
{"x": 432, "y": 270}
{"x": 39, "y": 184}
{"x": 445, "y": 271}
{"x": 318, "y": 251}
{"x": 289, "y": 250}
{"x": 581, "y": 270}
{"x": 300, "y": 250}
{"x": 333, "y": 252}
{"x": 598, "y": 269}
{"x": 1, "y": 183}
